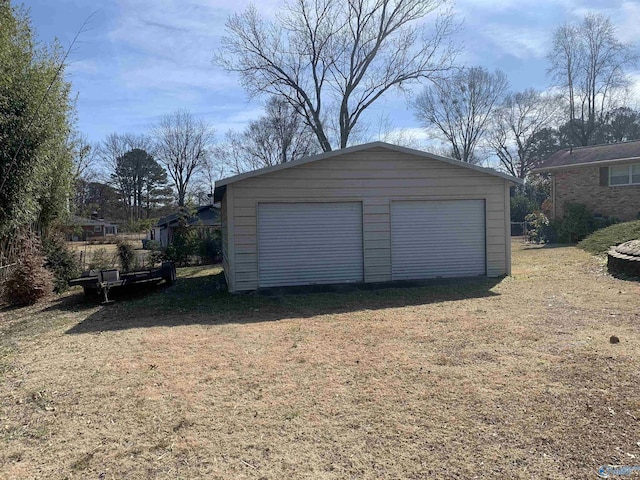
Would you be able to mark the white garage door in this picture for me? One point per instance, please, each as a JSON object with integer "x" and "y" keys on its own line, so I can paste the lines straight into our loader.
{"x": 432, "y": 239}
{"x": 309, "y": 243}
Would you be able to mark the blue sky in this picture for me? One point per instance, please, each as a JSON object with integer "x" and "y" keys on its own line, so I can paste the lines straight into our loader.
{"x": 141, "y": 59}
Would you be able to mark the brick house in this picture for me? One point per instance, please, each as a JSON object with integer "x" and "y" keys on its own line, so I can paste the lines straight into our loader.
{"x": 79, "y": 228}
{"x": 604, "y": 178}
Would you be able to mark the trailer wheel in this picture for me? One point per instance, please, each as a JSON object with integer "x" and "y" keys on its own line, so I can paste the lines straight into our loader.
{"x": 168, "y": 270}
{"x": 90, "y": 292}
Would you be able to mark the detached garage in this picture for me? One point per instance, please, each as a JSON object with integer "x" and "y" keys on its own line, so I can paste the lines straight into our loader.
{"x": 371, "y": 213}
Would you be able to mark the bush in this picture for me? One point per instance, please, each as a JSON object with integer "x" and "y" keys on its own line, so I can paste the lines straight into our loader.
{"x": 61, "y": 261}
{"x": 155, "y": 258}
{"x": 153, "y": 245}
{"x": 30, "y": 281}
{"x": 210, "y": 247}
{"x": 183, "y": 245}
{"x": 604, "y": 222}
{"x": 540, "y": 231}
{"x": 100, "y": 260}
{"x": 127, "y": 256}
{"x": 576, "y": 224}
{"x": 601, "y": 240}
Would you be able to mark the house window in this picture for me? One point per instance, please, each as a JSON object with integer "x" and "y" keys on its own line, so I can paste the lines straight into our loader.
{"x": 97, "y": 228}
{"x": 624, "y": 175}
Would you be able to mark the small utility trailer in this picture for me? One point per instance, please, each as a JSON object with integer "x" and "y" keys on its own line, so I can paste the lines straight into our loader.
{"x": 99, "y": 282}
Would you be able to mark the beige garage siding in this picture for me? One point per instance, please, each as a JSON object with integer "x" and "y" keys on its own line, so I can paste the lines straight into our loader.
{"x": 375, "y": 177}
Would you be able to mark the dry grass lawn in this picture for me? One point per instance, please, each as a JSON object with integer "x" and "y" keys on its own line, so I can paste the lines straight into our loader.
{"x": 496, "y": 379}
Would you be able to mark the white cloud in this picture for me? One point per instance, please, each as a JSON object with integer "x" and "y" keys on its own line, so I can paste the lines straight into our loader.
{"x": 517, "y": 41}
{"x": 634, "y": 89}
{"x": 88, "y": 67}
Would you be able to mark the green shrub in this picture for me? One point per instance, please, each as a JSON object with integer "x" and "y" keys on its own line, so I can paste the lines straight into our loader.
{"x": 61, "y": 261}
{"x": 155, "y": 258}
{"x": 127, "y": 256}
{"x": 183, "y": 245}
{"x": 153, "y": 245}
{"x": 100, "y": 260}
{"x": 210, "y": 247}
{"x": 604, "y": 222}
{"x": 577, "y": 223}
{"x": 601, "y": 240}
{"x": 540, "y": 231}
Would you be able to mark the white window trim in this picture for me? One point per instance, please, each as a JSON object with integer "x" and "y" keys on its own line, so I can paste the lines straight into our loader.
{"x": 629, "y": 175}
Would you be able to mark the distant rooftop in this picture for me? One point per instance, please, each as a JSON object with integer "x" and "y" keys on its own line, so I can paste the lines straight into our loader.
{"x": 592, "y": 155}
{"x": 76, "y": 220}
{"x": 208, "y": 215}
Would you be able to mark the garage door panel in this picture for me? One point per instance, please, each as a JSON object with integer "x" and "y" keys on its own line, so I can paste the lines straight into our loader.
{"x": 309, "y": 243}
{"x": 433, "y": 239}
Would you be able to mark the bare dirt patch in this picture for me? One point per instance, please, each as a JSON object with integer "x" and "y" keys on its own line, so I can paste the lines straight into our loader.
{"x": 506, "y": 379}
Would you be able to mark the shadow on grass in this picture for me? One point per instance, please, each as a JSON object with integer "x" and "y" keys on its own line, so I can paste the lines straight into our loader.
{"x": 546, "y": 246}
{"x": 204, "y": 300}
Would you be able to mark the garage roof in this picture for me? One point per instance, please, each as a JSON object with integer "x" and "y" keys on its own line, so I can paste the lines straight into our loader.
{"x": 221, "y": 184}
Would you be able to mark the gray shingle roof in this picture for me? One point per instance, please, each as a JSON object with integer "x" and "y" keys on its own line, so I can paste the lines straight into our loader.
{"x": 76, "y": 220}
{"x": 592, "y": 155}
{"x": 207, "y": 215}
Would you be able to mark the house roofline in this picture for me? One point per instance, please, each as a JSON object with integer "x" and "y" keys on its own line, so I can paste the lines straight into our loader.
{"x": 585, "y": 164}
{"x": 366, "y": 146}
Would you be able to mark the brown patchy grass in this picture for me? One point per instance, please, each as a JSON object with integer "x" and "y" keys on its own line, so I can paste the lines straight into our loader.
{"x": 510, "y": 379}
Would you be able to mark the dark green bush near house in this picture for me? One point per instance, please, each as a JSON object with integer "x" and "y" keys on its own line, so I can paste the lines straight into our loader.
{"x": 127, "y": 256}
{"x": 576, "y": 223}
{"x": 604, "y": 222}
{"x": 61, "y": 261}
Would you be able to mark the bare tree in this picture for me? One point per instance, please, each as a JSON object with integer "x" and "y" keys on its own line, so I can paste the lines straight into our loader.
{"x": 182, "y": 144}
{"x": 517, "y": 125}
{"x": 115, "y": 145}
{"x": 396, "y": 136}
{"x": 337, "y": 57}
{"x": 588, "y": 63}
{"x": 84, "y": 154}
{"x": 459, "y": 108}
{"x": 212, "y": 170}
{"x": 277, "y": 137}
